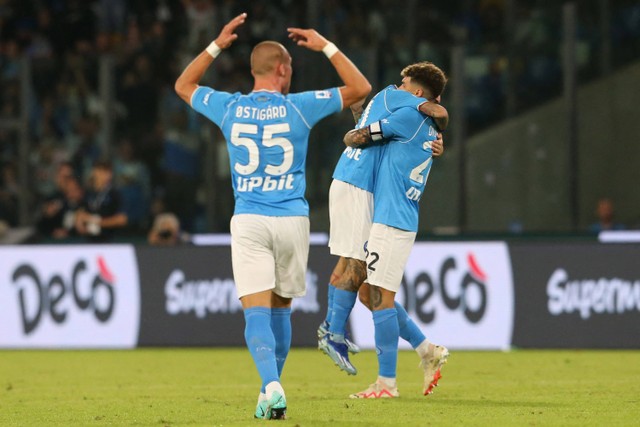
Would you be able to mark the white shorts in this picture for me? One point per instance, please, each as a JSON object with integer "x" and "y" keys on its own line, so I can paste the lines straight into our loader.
{"x": 350, "y": 217}
{"x": 270, "y": 252}
{"x": 388, "y": 250}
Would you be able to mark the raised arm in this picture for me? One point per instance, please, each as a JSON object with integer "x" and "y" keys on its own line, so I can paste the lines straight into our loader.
{"x": 357, "y": 109}
{"x": 437, "y": 112}
{"x": 187, "y": 83}
{"x": 356, "y": 86}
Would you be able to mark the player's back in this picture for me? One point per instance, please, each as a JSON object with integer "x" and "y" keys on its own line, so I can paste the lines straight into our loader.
{"x": 267, "y": 144}
{"x": 404, "y": 168}
{"x": 357, "y": 166}
{"x": 267, "y": 134}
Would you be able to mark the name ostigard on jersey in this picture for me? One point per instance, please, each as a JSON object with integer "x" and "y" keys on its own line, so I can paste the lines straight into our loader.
{"x": 269, "y": 113}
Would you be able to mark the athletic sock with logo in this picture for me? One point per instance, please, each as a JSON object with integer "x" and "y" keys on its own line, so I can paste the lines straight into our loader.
{"x": 281, "y": 327}
{"x": 386, "y": 337}
{"x": 409, "y": 331}
{"x": 343, "y": 302}
{"x": 261, "y": 342}
{"x": 330, "y": 293}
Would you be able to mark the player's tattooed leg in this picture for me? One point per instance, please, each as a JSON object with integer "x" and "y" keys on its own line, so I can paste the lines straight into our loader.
{"x": 375, "y": 297}
{"x": 353, "y": 277}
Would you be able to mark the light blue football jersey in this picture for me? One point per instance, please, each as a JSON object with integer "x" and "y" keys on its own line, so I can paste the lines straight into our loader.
{"x": 357, "y": 166}
{"x": 404, "y": 168}
{"x": 267, "y": 136}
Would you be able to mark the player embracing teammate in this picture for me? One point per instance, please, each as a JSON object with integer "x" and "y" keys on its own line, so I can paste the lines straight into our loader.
{"x": 373, "y": 205}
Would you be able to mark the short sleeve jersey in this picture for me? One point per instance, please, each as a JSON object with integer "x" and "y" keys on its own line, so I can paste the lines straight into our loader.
{"x": 404, "y": 168}
{"x": 267, "y": 135}
{"x": 357, "y": 166}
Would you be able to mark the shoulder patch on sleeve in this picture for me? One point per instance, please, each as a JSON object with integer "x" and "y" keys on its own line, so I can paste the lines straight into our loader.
{"x": 205, "y": 100}
{"x": 323, "y": 94}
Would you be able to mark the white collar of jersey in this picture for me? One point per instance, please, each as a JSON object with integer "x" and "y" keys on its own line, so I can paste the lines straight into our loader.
{"x": 265, "y": 90}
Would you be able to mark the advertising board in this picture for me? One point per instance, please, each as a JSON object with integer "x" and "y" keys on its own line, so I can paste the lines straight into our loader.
{"x": 69, "y": 296}
{"x": 577, "y": 295}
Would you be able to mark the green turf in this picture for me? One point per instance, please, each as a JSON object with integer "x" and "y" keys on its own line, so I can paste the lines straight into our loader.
{"x": 170, "y": 387}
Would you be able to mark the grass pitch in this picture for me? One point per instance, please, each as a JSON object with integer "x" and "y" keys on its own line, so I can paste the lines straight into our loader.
{"x": 171, "y": 387}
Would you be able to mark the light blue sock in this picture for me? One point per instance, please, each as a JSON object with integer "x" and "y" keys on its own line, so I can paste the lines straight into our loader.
{"x": 261, "y": 342}
{"x": 343, "y": 302}
{"x": 386, "y": 337}
{"x": 330, "y": 292}
{"x": 281, "y": 327}
{"x": 409, "y": 331}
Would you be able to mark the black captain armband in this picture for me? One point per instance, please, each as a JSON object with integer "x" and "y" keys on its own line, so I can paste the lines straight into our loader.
{"x": 376, "y": 131}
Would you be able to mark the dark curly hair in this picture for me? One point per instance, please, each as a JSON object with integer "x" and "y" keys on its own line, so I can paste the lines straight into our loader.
{"x": 427, "y": 75}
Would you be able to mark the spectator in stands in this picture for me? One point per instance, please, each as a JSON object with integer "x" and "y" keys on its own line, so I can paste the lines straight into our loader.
{"x": 102, "y": 211}
{"x": 605, "y": 213}
{"x": 62, "y": 224}
{"x": 52, "y": 210}
{"x": 73, "y": 199}
{"x": 166, "y": 231}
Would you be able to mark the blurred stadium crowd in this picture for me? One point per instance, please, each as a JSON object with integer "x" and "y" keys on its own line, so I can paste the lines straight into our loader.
{"x": 158, "y": 143}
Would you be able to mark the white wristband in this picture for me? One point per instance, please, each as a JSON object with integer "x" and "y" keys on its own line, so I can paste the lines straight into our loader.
{"x": 330, "y": 49}
{"x": 376, "y": 131}
{"x": 213, "y": 49}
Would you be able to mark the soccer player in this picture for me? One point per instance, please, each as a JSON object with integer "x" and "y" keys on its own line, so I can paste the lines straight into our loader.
{"x": 354, "y": 179}
{"x": 351, "y": 211}
{"x": 401, "y": 179}
{"x": 267, "y": 135}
